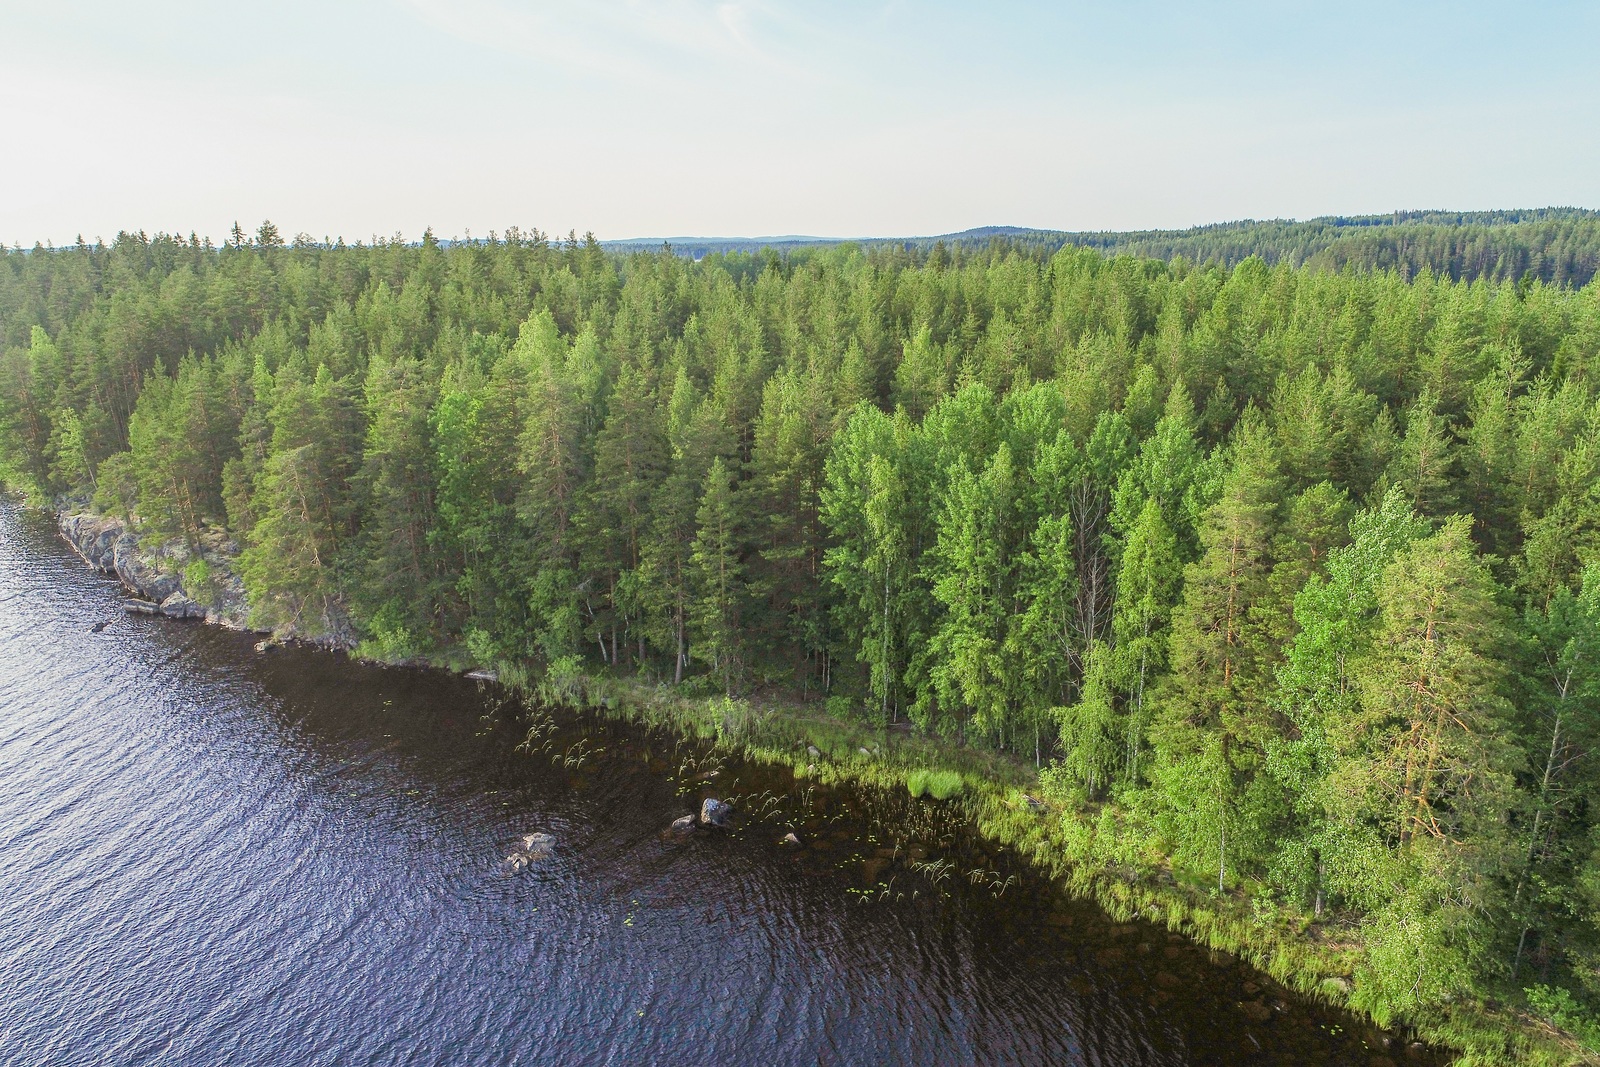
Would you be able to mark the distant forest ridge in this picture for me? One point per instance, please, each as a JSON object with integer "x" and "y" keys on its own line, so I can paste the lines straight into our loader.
{"x": 1557, "y": 245}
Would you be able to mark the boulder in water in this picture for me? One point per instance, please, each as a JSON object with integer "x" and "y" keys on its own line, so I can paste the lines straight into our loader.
{"x": 790, "y": 840}
{"x": 99, "y": 626}
{"x": 140, "y": 607}
{"x": 685, "y": 825}
{"x": 535, "y": 848}
{"x": 715, "y": 812}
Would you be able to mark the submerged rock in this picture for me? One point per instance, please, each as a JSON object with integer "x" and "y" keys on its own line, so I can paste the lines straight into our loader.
{"x": 715, "y": 813}
{"x": 139, "y": 607}
{"x": 536, "y": 847}
{"x": 99, "y": 626}
{"x": 685, "y": 825}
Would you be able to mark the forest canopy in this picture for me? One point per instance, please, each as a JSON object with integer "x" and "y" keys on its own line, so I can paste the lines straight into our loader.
{"x": 1292, "y": 562}
{"x": 1557, "y": 245}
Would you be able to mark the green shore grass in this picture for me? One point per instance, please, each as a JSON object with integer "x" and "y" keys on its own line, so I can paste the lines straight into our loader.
{"x": 1091, "y": 851}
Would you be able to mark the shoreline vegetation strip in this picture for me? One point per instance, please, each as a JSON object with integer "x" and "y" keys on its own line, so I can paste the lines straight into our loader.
{"x": 1080, "y": 850}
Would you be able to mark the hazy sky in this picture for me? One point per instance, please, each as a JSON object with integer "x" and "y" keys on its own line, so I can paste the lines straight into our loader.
{"x": 758, "y": 117}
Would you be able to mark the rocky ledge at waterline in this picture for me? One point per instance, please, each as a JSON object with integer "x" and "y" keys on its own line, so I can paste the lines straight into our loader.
{"x": 180, "y": 578}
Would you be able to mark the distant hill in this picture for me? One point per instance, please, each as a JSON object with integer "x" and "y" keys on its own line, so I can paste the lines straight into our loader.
{"x": 1560, "y": 245}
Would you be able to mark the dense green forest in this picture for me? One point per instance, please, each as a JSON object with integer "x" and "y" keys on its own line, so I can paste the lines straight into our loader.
{"x": 1296, "y": 569}
{"x": 1556, "y": 245}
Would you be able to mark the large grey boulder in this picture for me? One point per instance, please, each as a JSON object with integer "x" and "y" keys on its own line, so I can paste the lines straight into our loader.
{"x": 178, "y": 606}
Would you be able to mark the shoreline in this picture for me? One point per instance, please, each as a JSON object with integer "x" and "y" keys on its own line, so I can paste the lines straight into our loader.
{"x": 1079, "y": 849}
{"x": 178, "y": 578}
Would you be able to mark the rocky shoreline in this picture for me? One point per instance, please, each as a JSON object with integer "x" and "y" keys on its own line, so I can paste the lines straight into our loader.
{"x": 178, "y": 578}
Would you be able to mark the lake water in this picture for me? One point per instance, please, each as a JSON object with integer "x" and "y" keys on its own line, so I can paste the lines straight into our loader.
{"x": 213, "y": 856}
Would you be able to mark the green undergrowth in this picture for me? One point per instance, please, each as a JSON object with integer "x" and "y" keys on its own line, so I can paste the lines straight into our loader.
{"x": 1092, "y": 851}
{"x": 936, "y": 785}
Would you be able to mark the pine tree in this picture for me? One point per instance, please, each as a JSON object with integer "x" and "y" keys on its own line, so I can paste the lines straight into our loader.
{"x": 782, "y": 500}
{"x": 1331, "y": 847}
{"x": 400, "y": 583}
{"x": 553, "y": 464}
{"x": 1561, "y": 727}
{"x": 1148, "y": 585}
{"x": 302, "y": 503}
{"x": 1439, "y": 769}
{"x": 1040, "y": 637}
{"x": 719, "y": 595}
{"x": 1425, "y": 462}
{"x": 922, "y": 377}
{"x": 971, "y": 569}
{"x": 1218, "y": 717}
{"x": 868, "y": 508}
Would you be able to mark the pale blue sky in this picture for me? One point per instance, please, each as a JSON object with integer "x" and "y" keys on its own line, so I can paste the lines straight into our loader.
{"x": 756, "y": 117}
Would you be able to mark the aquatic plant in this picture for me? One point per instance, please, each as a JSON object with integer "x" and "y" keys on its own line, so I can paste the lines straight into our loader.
{"x": 940, "y": 785}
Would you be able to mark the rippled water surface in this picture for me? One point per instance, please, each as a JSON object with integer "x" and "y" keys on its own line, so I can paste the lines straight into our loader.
{"x": 210, "y": 856}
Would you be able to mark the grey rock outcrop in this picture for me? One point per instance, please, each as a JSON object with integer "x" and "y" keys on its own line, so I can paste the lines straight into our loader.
{"x": 183, "y": 578}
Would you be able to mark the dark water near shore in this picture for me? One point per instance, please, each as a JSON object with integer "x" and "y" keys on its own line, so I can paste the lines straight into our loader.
{"x": 211, "y": 856}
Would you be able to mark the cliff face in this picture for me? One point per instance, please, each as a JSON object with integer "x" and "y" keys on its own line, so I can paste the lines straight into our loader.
{"x": 181, "y": 581}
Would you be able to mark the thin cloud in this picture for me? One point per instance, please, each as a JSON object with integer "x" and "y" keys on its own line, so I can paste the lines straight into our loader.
{"x": 677, "y": 40}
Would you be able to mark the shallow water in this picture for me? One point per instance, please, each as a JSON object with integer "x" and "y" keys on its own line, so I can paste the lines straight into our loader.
{"x": 212, "y": 856}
